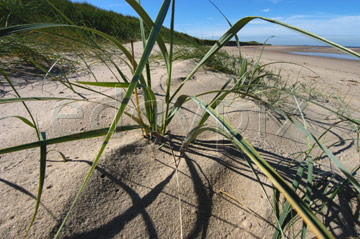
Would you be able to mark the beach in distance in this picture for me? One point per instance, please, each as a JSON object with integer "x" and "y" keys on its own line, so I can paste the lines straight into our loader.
{"x": 341, "y": 74}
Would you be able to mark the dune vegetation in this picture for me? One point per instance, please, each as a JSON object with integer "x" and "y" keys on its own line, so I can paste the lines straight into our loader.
{"x": 86, "y": 34}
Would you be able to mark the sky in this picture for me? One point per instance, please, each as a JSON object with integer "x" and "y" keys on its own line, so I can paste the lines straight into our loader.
{"x": 336, "y": 20}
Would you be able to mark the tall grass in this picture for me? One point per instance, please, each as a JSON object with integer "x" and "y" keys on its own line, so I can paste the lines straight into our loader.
{"x": 249, "y": 83}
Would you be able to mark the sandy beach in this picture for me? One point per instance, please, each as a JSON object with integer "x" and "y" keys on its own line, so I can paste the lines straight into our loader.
{"x": 134, "y": 191}
{"x": 339, "y": 75}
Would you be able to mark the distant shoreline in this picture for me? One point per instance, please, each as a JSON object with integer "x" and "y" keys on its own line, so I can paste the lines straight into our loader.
{"x": 342, "y": 56}
{"x": 310, "y": 51}
{"x": 350, "y": 47}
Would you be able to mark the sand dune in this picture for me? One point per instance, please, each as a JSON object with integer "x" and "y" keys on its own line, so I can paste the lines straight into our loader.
{"x": 134, "y": 192}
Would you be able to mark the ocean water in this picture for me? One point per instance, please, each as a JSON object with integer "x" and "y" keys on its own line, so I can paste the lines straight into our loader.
{"x": 329, "y": 55}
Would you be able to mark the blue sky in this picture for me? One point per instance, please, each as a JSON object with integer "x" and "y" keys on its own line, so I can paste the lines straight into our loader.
{"x": 337, "y": 20}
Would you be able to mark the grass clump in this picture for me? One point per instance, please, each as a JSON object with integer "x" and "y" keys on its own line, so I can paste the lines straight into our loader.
{"x": 248, "y": 83}
{"x": 220, "y": 62}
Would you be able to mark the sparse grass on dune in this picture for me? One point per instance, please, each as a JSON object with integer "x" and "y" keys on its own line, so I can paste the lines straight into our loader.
{"x": 220, "y": 62}
{"x": 297, "y": 207}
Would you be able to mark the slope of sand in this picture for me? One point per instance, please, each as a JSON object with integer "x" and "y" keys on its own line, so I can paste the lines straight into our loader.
{"x": 341, "y": 76}
{"x": 134, "y": 191}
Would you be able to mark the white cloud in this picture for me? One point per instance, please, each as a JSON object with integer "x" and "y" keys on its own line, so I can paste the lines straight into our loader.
{"x": 256, "y": 22}
{"x": 298, "y": 17}
{"x": 342, "y": 30}
{"x": 275, "y": 1}
{"x": 337, "y": 28}
{"x": 278, "y": 18}
{"x": 266, "y": 10}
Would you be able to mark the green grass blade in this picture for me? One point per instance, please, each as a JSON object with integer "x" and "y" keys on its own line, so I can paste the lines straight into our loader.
{"x": 122, "y": 75}
{"x": 41, "y": 180}
{"x": 316, "y": 226}
{"x": 143, "y": 38}
{"x": 24, "y": 104}
{"x": 215, "y": 102}
{"x": 98, "y": 56}
{"x": 310, "y": 165}
{"x": 23, "y": 99}
{"x": 287, "y": 206}
{"x": 228, "y": 21}
{"x": 68, "y": 138}
{"x": 68, "y": 85}
{"x": 105, "y": 84}
{"x": 357, "y": 122}
{"x": 61, "y": 13}
{"x": 151, "y": 108}
{"x": 87, "y": 66}
{"x": 168, "y": 83}
{"x": 308, "y": 190}
{"x": 95, "y": 91}
{"x": 40, "y": 137}
{"x": 219, "y": 97}
{"x": 194, "y": 133}
{"x": 146, "y": 18}
{"x": 257, "y": 67}
{"x": 60, "y": 153}
{"x": 218, "y": 45}
{"x": 23, "y": 119}
{"x": 5, "y": 31}
{"x": 142, "y": 29}
{"x": 325, "y": 132}
{"x": 316, "y": 37}
{"x": 179, "y": 102}
{"x": 184, "y": 98}
{"x": 276, "y": 200}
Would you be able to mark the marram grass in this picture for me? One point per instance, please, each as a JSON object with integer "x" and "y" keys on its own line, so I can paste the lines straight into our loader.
{"x": 249, "y": 84}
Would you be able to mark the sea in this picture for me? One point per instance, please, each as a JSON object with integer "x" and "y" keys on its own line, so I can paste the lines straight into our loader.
{"x": 328, "y": 55}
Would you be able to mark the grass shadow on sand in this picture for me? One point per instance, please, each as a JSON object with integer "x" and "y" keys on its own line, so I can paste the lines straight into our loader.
{"x": 141, "y": 201}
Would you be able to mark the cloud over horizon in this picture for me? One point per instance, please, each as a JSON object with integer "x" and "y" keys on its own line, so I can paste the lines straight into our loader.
{"x": 335, "y": 27}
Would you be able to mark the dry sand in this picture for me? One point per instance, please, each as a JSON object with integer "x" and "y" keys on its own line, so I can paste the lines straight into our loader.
{"x": 133, "y": 192}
